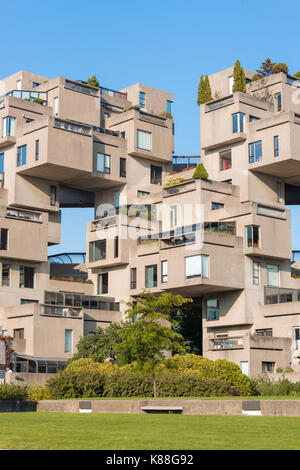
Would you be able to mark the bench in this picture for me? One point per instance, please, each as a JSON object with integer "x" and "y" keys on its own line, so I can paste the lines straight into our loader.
{"x": 162, "y": 409}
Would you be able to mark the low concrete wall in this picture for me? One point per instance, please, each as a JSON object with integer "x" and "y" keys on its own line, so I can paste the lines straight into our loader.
{"x": 189, "y": 407}
{"x": 291, "y": 376}
{"x": 17, "y": 406}
{"x": 29, "y": 379}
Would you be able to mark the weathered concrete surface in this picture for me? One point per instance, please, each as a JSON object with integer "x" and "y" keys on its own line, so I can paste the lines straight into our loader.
{"x": 280, "y": 407}
{"x": 65, "y": 406}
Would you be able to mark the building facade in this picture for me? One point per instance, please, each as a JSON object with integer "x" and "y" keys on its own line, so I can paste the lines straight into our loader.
{"x": 224, "y": 241}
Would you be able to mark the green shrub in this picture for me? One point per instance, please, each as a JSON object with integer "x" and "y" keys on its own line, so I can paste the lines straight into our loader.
{"x": 173, "y": 181}
{"x": 39, "y": 392}
{"x": 265, "y": 386}
{"x": 297, "y": 74}
{"x": 13, "y": 393}
{"x": 77, "y": 384}
{"x": 279, "y": 370}
{"x": 192, "y": 386}
{"x": 126, "y": 384}
{"x": 281, "y": 67}
{"x": 38, "y": 100}
{"x": 200, "y": 172}
{"x": 88, "y": 364}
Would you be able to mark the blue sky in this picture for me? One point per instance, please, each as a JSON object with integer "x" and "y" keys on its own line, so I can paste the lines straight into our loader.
{"x": 165, "y": 44}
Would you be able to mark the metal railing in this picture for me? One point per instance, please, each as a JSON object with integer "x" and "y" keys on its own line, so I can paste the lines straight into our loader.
{"x": 67, "y": 126}
{"x": 219, "y": 104}
{"x": 29, "y": 95}
{"x": 279, "y": 295}
{"x": 81, "y": 87}
{"x": 24, "y": 215}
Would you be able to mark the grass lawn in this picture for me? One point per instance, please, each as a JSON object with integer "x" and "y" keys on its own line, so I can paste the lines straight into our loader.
{"x": 74, "y": 431}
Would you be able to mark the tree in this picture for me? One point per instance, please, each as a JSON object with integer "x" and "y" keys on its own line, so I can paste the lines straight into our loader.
{"x": 239, "y": 79}
{"x": 92, "y": 81}
{"x": 204, "y": 90}
{"x": 266, "y": 68}
{"x": 200, "y": 172}
{"x": 297, "y": 74}
{"x": 101, "y": 345}
{"x": 153, "y": 334}
{"x": 281, "y": 67}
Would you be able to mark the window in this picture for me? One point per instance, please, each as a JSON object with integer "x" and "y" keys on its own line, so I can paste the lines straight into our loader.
{"x": 1, "y": 170}
{"x": 169, "y": 107}
{"x": 279, "y": 191}
{"x": 37, "y": 149}
{"x": 173, "y": 216}
{"x": 52, "y": 195}
{"x": 142, "y": 193}
{"x": 123, "y": 167}
{"x": 103, "y": 163}
{"x": 56, "y": 104}
{"x": 68, "y": 341}
{"x": 217, "y": 205}
{"x": 27, "y": 277}
{"x": 238, "y": 122}
{"x": 267, "y": 366}
{"x": 212, "y": 309}
{"x": 278, "y": 101}
{"x": 103, "y": 283}
{"x": 35, "y": 84}
{"x": 225, "y": 160}
{"x": 264, "y": 332}
{"x": 28, "y": 301}
{"x": 9, "y": 126}
{"x": 296, "y": 335}
{"x": 196, "y": 266}
{"x": 132, "y": 278}
{"x": 143, "y": 140}
{"x": 97, "y": 250}
{"x": 117, "y": 198}
{"x": 255, "y": 273}
{"x": 19, "y": 333}
{"x": 116, "y": 247}
{"x": 276, "y": 146}
{"x": 3, "y": 239}
{"x": 255, "y": 152}
{"x": 19, "y": 84}
{"x": 253, "y": 118}
{"x": 272, "y": 275}
{"x": 231, "y": 81}
{"x": 156, "y": 174}
{"x": 252, "y": 236}
{"x": 151, "y": 276}
{"x": 142, "y": 99}
{"x": 22, "y": 155}
{"x": 164, "y": 271}
{"x": 227, "y": 181}
{"x": 5, "y": 274}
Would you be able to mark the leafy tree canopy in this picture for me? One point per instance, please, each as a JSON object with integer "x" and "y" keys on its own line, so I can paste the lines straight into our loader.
{"x": 92, "y": 81}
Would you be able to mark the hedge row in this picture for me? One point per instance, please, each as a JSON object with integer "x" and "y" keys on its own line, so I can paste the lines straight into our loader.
{"x": 70, "y": 384}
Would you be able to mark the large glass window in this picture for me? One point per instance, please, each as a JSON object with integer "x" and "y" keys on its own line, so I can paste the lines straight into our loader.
{"x": 267, "y": 366}
{"x": 56, "y": 104}
{"x": 103, "y": 283}
{"x": 3, "y": 239}
{"x": 117, "y": 198}
{"x": 196, "y": 266}
{"x": 97, "y": 250}
{"x": 164, "y": 271}
{"x": 151, "y": 276}
{"x": 123, "y": 167}
{"x": 52, "y": 195}
{"x": 156, "y": 175}
{"x": 143, "y": 140}
{"x": 272, "y": 275}
{"x": 27, "y": 277}
{"x": 278, "y": 101}
{"x": 169, "y": 107}
{"x": 1, "y": 170}
{"x": 22, "y": 155}
{"x": 255, "y": 152}
{"x": 37, "y": 149}
{"x": 173, "y": 216}
{"x": 255, "y": 273}
{"x": 238, "y": 122}
{"x": 252, "y": 236}
{"x": 132, "y": 278}
{"x": 68, "y": 341}
{"x": 225, "y": 160}
{"x": 276, "y": 146}
{"x": 142, "y": 99}
{"x": 5, "y": 274}
{"x": 9, "y": 124}
{"x": 212, "y": 309}
{"x": 103, "y": 163}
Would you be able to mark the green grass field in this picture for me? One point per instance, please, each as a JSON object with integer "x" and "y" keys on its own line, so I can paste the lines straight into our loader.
{"x": 73, "y": 431}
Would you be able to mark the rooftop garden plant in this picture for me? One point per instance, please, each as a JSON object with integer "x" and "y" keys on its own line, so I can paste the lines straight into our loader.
{"x": 200, "y": 172}
{"x": 92, "y": 81}
{"x": 173, "y": 181}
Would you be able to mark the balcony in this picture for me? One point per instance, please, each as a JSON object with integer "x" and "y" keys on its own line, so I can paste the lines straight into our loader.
{"x": 226, "y": 343}
{"x": 33, "y": 96}
{"x": 24, "y": 215}
{"x": 81, "y": 87}
{"x": 71, "y": 304}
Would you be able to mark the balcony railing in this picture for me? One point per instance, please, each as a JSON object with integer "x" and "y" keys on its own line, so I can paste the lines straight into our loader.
{"x": 29, "y": 95}
{"x": 179, "y": 188}
{"x": 227, "y": 228}
{"x": 81, "y": 87}
{"x": 24, "y": 215}
{"x": 103, "y": 130}
{"x": 109, "y": 92}
{"x": 228, "y": 343}
{"x": 276, "y": 295}
{"x": 219, "y": 104}
{"x": 67, "y": 126}
{"x": 65, "y": 300}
